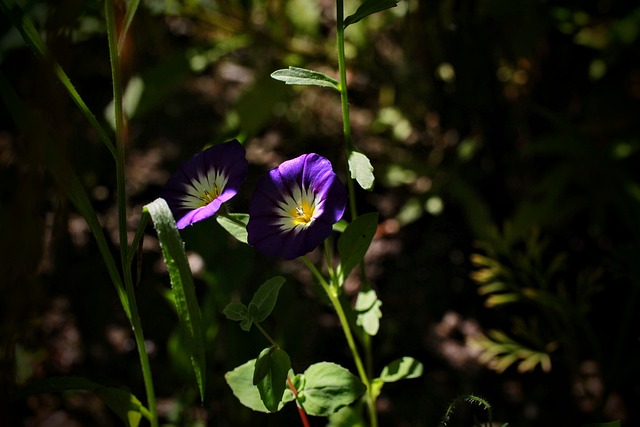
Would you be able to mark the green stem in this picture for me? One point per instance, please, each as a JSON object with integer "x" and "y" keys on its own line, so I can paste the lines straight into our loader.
{"x": 128, "y": 18}
{"x": 346, "y": 123}
{"x": 120, "y": 122}
{"x": 266, "y": 335}
{"x": 332, "y": 292}
{"x": 344, "y": 98}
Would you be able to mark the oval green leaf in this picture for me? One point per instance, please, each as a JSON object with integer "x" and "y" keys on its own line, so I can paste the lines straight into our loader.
{"x": 265, "y": 298}
{"x": 240, "y": 380}
{"x": 302, "y": 76}
{"x": 354, "y": 242}
{"x": 235, "y": 224}
{"x": 329, "y": 387}
{"x": 361, "y": 170}
{"x": 270, "y": 376}
{"x": 236, "y": 311}
{"x": 403, "y": 368}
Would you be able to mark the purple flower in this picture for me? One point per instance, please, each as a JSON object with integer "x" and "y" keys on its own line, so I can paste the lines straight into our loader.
{"x": 295, "y": 206}
{"x": 205, "y": 181}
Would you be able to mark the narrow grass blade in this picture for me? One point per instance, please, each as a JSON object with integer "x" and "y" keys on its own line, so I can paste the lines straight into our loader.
{"x": 184, "y": 292}
{"x": 128, "y": 19}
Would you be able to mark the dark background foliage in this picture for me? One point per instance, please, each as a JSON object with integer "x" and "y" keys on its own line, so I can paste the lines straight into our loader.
{"x": 502, "y": 128}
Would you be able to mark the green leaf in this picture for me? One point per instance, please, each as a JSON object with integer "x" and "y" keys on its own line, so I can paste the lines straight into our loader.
{"x": 340, "y": 226}
{"x": 123, "y": 403}
{"x": 262, "y": 365}
{"x": 235, "y": 224}
{"x": 236, "y": 311}
{"x": 270, "y": 376}
{"x": 181, "y": 284}
{"x": 354, "y": 242}
{"x": 302, "y": 76}
{"x": 346, "y": 417}
{"x": 361, "y": 170}
{"x": 265, "y": 298}
{"x": 327, "y": 388}
{"x": 368, "y": 309}
{"x": 241, "y": 382}
{"x": 369, "y": 7}
{"x": 246, "y": 323}
{"x": 400, "y": 369}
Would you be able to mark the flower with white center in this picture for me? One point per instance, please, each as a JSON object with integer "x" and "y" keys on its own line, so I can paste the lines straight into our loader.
{"x": 203, "y": 183}
{"x": 295, "y": 206}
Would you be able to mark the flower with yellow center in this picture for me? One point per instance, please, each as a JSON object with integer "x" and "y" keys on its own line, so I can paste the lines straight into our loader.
{"x": 295, "y": 206}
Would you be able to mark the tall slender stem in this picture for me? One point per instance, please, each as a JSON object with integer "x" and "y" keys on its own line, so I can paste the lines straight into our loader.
{"x": 344, "y": 98}
{"x": 121, "y": 133}
{"x": 346, "y": 123}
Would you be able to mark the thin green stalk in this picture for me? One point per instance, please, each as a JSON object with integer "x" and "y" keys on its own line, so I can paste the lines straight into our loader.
{"x": 346, "y": 123}
{"x": 344, "y": 98}
{"x": 128, "y": 19}
{"x": 266, "y": 335}
{"x": 328, "y": 258}
{"x": 332, "y": 292}
{"x": 122, "y": 212}
{"x": 133, "y": 249}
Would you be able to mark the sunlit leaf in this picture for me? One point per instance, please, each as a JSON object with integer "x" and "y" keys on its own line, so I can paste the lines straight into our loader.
{"x": 240, "y": 380}
{"x": 181, "y": 284}
{"x": 235, "y": 224}
{"x": 361, "y": 169}
{"x": 403, "y": 368}
{"x": 302, "y": 76}
{"x": 346, "y": 416}
{"x": 368, "y": 311}
{"x": 329, "y": 387}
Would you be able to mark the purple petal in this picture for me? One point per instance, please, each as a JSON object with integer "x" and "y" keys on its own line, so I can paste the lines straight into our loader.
{"x": 266, "y": 231}
{"x": 226, "y": 161}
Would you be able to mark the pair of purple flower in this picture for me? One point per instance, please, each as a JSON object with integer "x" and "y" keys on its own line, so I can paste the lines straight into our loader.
{"x": 293, "y": 207}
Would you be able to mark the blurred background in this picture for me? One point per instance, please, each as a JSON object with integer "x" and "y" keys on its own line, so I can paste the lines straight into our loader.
{"x": 503, "y": 133}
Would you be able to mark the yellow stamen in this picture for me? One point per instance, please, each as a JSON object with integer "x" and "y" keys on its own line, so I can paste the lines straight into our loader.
{"x": 207, "y": 197}
{"x": 302, "y": 214}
